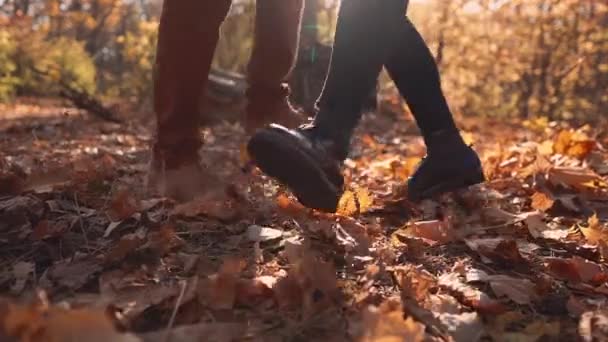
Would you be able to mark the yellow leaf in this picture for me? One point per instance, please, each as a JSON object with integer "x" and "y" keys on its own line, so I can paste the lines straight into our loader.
{"x": 355, "y": 202}
{"x": 594, "y": 233}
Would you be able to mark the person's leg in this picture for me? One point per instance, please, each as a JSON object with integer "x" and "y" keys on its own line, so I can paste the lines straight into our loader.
{"x": 450, "y": 164}
{"x": 300, "y": 158}
{"x": 188, "y": 34}
{"x": 275, "y": 49}
{"x": 412, "y": 68}
{"x": 362, "y": 44}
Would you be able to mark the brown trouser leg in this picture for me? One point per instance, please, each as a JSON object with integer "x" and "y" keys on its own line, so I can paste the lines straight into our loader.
{"x": 188, "y": 35}
{"x": 277, "y": 32}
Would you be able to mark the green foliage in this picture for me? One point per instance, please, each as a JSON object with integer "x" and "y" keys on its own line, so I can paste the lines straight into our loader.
{"x": 8, "y": 81}
{"x": 137, "y": 51}
{"x": 44, "y": 65}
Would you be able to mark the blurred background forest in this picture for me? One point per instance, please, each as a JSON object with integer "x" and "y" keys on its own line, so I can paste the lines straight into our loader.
{"x": 517, "y": 58}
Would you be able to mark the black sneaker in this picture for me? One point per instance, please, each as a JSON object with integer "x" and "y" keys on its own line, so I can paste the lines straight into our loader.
{"x": 302, "y": 161}
{"x": 450, "y": 165}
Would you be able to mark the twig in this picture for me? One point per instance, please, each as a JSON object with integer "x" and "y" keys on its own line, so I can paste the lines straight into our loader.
{"x": 84, "y": 233}
{"x": 174, "y": 313}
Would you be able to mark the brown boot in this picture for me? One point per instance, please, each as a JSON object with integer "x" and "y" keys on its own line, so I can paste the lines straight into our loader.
{"x": 188, "y": 35}
{"x": 275, "y": 48}
{"x": 267, "y": 105}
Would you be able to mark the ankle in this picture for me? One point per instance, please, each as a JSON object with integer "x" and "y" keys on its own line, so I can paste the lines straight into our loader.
{"x": 444, "y": 141}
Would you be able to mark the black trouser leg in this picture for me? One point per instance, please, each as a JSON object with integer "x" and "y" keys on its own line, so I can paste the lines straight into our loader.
{"x": 414, "y": 71}
{"x": 365, "y": 35}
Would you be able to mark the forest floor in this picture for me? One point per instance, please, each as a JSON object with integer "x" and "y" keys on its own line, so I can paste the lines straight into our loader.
{"x": 85, "y": 254}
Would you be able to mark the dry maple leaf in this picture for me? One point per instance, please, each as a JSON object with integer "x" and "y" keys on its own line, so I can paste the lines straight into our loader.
{"x": 439, "y": 231}
{"x": 541, "y": 201}
{"x": 595, "y": 233}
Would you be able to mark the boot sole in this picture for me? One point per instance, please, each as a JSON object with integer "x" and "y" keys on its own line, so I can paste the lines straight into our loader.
{"x": 281, "y": 157}
{"x": 454, "y": 184}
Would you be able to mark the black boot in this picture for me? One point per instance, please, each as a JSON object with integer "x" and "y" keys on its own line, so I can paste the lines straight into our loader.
{"x": 450, "y": 165}
{"x": 302, "y": 160}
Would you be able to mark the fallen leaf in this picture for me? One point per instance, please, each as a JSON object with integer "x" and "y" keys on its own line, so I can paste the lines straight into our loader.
{"x": 127, "y": 244}
{"x": 436, "y": 230}
{"x": 257, "y": 233}
{"x": 541, "y": 201}
{"x": 521, "y": 291}
{"x": 594, "y": 232}
{"x": 219, "y": 291}
{"x": 73, "y": 274}
{"x": 123, "y": 205}
{"x": 39, "y": 322}
{"x": 575, "y": 269}
{"x": 463, "y": 327}
{"x": 469, "y": 295}
{"x": 593, "y": 326}
{"x": 574, "y": 144}
{"x": 580, "y": 179}
{"x": 576, "y": 307}
{"x": 216, "y": 332}
{"x": 496, "y": 250}
{"x": 163, "y": 240}
{"x": 21, "y": 272}
{"x": 222, "y": 209}
{"x": 539, "y": 229}
{"x": 386, "y": 324}
{"x": 354, "y": 202}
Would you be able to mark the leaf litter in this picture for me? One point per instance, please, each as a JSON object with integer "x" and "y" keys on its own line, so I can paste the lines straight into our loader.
{"x": 86, "y": 251}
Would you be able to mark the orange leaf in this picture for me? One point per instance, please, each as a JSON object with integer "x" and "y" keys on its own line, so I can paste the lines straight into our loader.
{"x": 542, "y": 202}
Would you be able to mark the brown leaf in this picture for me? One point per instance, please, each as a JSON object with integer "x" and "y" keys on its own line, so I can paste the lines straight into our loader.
{"x": 39, "y": 322}
{"x": 497, "y": 250}
{"x": 123, "y": 205}
{"x": 219, "y": 291}
{"x": 223, "y": 209}
{"x": 163, "y": 240}
{"x": 127, "y": 244}
{"x": 386, "y": 324}
{"x": 413, "y": 282}
{"x": 593, "y": 326}
{"x": 46, "y": 229}
{"x": 576, "y": 270}
{"x": 466, "y": 326}
{"x": 436, "y": 230}
{"x": 580, "y": 179}
{"x": 469, "y": 295}
{"x": 539, "y": 229}
{"x": 73, "y": 274}
{"x": 521, "y": 291}
{"x": 21, "y": 272}
{"x": 216, "y": 332}
{"x": 541, "y": 201}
